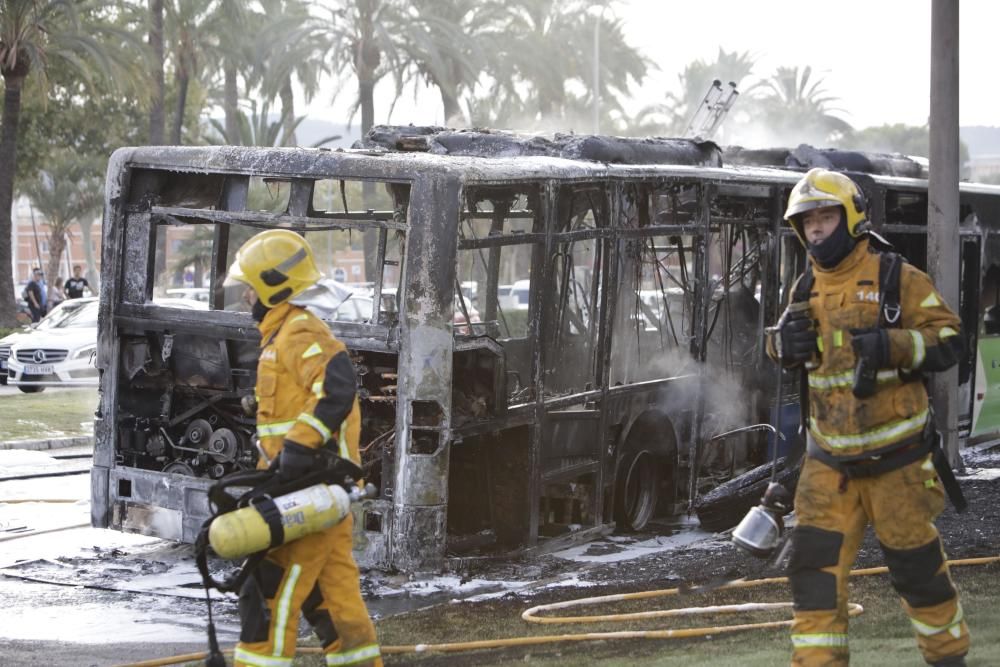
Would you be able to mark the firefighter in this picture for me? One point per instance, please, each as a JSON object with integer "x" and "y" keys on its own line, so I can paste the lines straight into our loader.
{"x": 306, "y": 400}
{"x": 867, "y": 458}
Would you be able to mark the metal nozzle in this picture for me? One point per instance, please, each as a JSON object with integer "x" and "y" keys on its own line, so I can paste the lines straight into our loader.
{"x": 758, "y": 532}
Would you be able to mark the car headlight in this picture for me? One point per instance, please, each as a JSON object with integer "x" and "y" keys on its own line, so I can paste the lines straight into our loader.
{"x": 84, "y": 352}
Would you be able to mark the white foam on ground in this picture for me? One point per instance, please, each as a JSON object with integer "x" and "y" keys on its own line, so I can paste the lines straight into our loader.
{"x": 96, "y": 623}
{"x": 631, "y": 551}
{"x": 981, "y": 474}
{"x": 441, "y": 584}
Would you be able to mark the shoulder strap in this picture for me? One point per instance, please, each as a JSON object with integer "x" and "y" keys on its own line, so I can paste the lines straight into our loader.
{"x": 802, "y": 288}
{"x": 889, "y": 268}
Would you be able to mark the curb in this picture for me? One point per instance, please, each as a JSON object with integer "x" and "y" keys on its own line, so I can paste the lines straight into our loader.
{"x": 49, "y": 443}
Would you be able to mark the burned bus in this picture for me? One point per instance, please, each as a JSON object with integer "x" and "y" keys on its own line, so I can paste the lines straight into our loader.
{"x": 547, "y": 333}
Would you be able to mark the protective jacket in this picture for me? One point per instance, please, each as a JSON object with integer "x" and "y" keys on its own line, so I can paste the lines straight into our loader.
{"x": 306, "y": 393}
{"x": 925, "y": 338}
{"x": 305, "y": 385}
{"x": 833, "y": 503}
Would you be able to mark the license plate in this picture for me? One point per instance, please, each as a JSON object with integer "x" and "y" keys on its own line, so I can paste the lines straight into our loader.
{"x": 35, "y": 369}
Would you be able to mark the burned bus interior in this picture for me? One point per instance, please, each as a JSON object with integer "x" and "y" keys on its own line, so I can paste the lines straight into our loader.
{"x": 546, "y": 333}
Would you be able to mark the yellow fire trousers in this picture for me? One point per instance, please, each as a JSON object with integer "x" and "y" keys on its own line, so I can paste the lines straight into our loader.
{"x": 833, "y": 512}
{"x": 316, "y": 576}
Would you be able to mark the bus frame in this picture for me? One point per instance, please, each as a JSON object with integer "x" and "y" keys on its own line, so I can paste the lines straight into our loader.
{"x": 484, "y": 436}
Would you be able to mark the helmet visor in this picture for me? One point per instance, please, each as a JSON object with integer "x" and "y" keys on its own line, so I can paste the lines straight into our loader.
{"x": 234, "y": 276}
{"x": 808, "y": 205}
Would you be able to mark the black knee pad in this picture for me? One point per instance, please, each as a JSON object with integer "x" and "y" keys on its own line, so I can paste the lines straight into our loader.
{"x": 914, "y": 574}
{"x": 319, "y": 619}
{"x": 813, "y": 549}
{"x": 255, "y": 617}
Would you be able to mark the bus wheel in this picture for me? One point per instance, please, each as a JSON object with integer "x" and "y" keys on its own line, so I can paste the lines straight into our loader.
{"x": 637, "y": 488}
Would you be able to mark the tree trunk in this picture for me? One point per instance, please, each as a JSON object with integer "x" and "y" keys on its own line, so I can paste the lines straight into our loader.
{"x": 366, "y": 95}
{"x": 8, "y": 165}
{"x": 182, "y": 89}
{"x": 288, "y": 114}
{"x": 230, "y": 103}
{"x": 86, "y": 231}
{"x": 157, "y": 113}
{"x": 57, "y": 246}
{"x": 452, "y": 111}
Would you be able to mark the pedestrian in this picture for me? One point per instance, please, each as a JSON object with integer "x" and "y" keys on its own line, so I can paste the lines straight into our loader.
{"x": 76, "y": 284}
{"x": 306, "y": 401}
{"x": 56, "y": 294}
{"x": 35, "y": 295}
{"x": 869, "y": 425}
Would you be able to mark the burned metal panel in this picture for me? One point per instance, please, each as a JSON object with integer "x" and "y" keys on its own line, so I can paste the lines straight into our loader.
{"x": 807, "y": 157}
{"x": 423, "y": 420}
{"x": 499, "y": 143}
{"x": 163, "y": 505}
{"x": 112, "y": 266}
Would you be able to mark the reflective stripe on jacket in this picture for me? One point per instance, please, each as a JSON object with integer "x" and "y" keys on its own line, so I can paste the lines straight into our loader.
{"x": 847, "y": 297}
{"x": 306, "y": 387}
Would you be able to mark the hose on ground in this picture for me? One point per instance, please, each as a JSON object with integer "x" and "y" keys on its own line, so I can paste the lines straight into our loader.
{"x": 531, "y": 616}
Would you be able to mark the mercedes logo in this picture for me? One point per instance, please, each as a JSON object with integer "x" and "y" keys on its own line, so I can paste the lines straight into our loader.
{"x": 39, "y": 356}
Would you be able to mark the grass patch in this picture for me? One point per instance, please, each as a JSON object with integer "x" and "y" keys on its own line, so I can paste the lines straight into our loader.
{"x": 881, "y": 635}
{"x": 49, "y": 414}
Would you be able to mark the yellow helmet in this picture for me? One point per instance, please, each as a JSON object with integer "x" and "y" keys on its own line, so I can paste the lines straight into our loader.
{"x": 277, "y": 264}
{"x": 822, "y": 187}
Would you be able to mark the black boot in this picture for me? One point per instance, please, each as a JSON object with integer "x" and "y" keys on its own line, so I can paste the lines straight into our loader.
{"x": 950, "y": 661}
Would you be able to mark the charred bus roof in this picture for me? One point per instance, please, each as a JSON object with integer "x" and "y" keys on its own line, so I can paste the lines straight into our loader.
{"x": 408, "y": 153}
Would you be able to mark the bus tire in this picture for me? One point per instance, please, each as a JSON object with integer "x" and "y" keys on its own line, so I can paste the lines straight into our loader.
{"x": 637, "y": 490}
{"x": 725, "y": 506}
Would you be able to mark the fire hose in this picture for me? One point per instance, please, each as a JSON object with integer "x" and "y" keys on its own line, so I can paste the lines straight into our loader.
{"x": 532, "y": 616}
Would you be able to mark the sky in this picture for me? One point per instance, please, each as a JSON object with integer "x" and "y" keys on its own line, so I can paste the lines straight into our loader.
{"x": 874, "y": 55}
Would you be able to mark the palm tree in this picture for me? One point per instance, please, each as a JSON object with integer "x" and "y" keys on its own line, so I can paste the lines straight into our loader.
{"x": 288, "y": 47}
{"x": 33, "y": 32}
{"x": 157, "y": 98}
{"x": 259, "y": 130}
{"x": 192, "y": 28}
{"x": 232, "y": 17}
{"x": 450, "y": 44}
{"x": 547, "y": 49}
{"x": 798, "y": 103}
{"x": 70, "y": 190}
{"x": 671, "y": 117}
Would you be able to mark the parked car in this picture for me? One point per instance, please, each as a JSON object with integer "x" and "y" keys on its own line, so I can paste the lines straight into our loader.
{"x": 54, "y": 316}
{"x": 63, "y": 352}
{"x": 514, "y": 297}
{"x": 195, "y": 293}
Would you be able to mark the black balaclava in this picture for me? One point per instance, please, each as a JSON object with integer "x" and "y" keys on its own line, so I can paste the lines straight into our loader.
{"x": 829, "y": 252}
{"x": 258, "y": 310}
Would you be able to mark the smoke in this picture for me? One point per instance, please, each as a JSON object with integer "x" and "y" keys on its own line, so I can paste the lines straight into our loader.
{"x": 726, "y": 400}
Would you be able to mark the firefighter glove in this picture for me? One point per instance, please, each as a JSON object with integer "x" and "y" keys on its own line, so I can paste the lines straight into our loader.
{"x": 798, "y": 337}
{"x": 872, "y": 346}
{"x": 296, "y": 460}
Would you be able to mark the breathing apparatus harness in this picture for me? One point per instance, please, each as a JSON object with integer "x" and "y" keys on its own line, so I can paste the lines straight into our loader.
{"x": 896, "y": 456}
{"x": 271, "y": 498}
{"x": 760, "y": 532}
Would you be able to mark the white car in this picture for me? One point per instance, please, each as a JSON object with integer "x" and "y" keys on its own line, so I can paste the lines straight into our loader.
{"x": 194, "y": 293}
{"x": 514, "y": 297}
{"x": 65, "y": 352}
{"x": 54, "y": 316}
